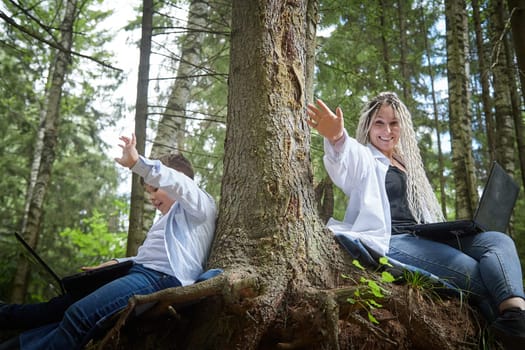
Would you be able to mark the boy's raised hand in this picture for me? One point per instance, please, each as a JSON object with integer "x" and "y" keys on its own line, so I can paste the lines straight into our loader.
{"x": 129, "y": 151}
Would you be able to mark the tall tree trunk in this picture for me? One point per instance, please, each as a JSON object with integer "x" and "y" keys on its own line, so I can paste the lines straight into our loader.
{"x": 403, "y": 56}
{"x": 460, "y": 115}
{"x": 171, "y": 129}
{"x": 502, "y": 97}
{"x": 46, "y": 158}
{"x": 517, "y": 17}
{"x": 437, "y": 126}
{"x": 383, "y": 6}
{"x": 135, "y": 231}
{"x": 485, "y": 74}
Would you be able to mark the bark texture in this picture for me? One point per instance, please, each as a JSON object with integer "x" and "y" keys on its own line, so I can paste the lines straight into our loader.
{"x": 459, "y": 111}
{"x": 502, "y": 96}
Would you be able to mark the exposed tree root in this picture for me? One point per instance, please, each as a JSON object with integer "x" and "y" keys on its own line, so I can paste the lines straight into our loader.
{"x": 307, "y": 317}
{"x": 232, "y": 287}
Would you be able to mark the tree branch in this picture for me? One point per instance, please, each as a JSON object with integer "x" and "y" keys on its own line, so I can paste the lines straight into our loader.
{"x": 57, "y": 46}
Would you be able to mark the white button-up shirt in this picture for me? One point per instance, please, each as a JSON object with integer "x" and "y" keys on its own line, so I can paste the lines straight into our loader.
{"x": 178, "y": 243}
{"x": 360, "y": 171}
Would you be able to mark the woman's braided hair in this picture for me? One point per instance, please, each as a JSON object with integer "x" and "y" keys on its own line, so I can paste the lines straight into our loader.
{"x": 421, "y": 198}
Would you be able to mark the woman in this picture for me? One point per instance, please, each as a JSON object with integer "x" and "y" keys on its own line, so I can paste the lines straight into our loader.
{"x": 382, "y": 173}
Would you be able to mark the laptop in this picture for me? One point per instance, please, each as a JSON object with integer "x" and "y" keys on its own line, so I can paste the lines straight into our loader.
{"x": 82, "y": 283}
{"x": 492, "y": 214}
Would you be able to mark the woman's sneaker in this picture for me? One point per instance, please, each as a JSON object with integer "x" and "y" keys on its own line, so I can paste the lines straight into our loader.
{"x": 510, "y": 328}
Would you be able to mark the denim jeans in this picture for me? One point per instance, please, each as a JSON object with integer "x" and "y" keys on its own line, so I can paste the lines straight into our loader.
{"x": 82, "y": 317}
{"x": 485, "y": 265}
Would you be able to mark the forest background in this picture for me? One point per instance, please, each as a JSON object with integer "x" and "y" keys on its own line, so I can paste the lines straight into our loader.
{"x": 361, "y": 49}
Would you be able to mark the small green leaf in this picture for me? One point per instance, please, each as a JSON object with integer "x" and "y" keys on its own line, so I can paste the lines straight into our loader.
{"x": 372, "y": 318}
{"x": 384, "y": 261}
{"x": 387, "y": 277}
{"x": 374, "y": 304}
{"x": 357, "y": 264}
{"x": 375, "y": 289}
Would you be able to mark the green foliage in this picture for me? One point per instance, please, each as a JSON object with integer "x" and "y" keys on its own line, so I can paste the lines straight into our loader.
{"x": 91, "y": 241}
{"x": 370, "y": 291}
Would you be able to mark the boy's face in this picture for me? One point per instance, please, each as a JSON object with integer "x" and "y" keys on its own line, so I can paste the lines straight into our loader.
{"x": 159, "y": 199}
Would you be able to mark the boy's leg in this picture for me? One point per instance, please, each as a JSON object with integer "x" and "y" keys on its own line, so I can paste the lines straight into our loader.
{"x": 82, "y": 317}
{"x": 26, "y": 316}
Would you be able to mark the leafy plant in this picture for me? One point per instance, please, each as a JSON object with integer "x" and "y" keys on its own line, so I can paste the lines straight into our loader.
{"x": 369, "y": 290}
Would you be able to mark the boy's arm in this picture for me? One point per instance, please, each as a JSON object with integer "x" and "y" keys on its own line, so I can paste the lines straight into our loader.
{"x": 178, "y": 186}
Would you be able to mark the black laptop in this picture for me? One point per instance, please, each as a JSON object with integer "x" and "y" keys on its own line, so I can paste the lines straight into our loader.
{"x": 82, "y": 283}
{"x": 493, "y": 213}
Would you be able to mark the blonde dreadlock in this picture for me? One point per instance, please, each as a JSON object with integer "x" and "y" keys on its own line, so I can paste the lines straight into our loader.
{"x": 422, "y": 201}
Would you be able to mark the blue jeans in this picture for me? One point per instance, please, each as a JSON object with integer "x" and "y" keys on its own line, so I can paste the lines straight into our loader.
{"x": 82, "y": 318}
{"x": 485, "y": 265}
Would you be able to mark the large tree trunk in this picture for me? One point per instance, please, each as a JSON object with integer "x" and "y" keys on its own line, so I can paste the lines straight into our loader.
{"x": 459, "y": 111}
{"x": 284, "y": 248}
{"x": 502, "y": 97}
{"x": 44, "y": 160}
{"x": 517, "y": 16}
{"x": 517, "y": 13}
{"x": 135, "y": 231}
{"x": 485, "y": 75}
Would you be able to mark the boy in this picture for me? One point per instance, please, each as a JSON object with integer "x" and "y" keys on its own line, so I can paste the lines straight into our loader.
{"x": 173, "y": 254}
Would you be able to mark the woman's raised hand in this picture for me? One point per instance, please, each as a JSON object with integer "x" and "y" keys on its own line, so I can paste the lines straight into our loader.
{"x": 328, "y": 124}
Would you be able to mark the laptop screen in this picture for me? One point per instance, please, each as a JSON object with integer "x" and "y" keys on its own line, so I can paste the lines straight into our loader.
{"x": 497, "y": 201}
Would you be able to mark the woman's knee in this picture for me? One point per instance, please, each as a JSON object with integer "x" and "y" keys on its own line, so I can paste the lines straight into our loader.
{"x": 496, "y": 240}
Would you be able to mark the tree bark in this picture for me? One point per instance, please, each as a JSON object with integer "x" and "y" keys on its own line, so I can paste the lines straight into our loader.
{"x": 485, "y": 74}
{"x": 135, "y": 231}
{"x": 502, "y": 97}
{"x": 45, "y": 159}
{"x": 266, "y": 164}
{"x": 517, "y": 18}
{"x": 459, "y": 111}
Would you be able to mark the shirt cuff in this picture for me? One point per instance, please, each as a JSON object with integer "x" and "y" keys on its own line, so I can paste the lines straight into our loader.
{"x": 143, "y": 166}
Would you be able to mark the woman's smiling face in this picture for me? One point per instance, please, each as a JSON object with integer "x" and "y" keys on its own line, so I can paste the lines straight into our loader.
{"x": 384, "y": 130}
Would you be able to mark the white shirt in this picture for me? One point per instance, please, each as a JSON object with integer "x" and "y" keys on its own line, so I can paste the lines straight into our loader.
{"x": 360, "y": 171}
{"x": 178, "y": 243}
